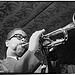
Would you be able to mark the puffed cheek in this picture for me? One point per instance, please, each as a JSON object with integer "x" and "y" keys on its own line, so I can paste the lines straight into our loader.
{"x": 13, "y": 46}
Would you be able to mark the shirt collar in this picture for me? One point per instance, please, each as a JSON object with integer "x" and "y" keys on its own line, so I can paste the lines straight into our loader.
{"x": 12, "y": 57}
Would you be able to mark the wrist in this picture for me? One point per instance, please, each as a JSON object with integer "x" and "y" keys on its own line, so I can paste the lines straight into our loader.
{"x": 32, "y": 51}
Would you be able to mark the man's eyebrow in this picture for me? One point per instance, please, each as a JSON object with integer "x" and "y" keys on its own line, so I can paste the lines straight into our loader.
{"x": 20, "y": 34}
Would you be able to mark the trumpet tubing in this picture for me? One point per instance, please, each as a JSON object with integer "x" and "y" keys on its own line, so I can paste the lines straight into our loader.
{"x": 58, "y": 31}
{"x": 64, "y": 29}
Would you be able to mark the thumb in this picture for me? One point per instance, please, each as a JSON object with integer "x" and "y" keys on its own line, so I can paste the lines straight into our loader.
{"x": 41, "y": 31}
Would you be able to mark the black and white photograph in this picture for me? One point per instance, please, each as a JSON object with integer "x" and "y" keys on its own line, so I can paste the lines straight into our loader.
{"x": 37, "y": 37}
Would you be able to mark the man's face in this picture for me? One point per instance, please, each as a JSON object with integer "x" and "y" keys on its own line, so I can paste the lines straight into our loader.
{"x": 16, "y": 41}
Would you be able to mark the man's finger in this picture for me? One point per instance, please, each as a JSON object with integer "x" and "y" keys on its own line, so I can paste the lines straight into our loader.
{"x": 41, "y": 31}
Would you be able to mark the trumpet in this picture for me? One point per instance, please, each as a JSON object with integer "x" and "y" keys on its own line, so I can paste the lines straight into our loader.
{"x": 63, "y": 30}
{"x": 58, "y": 31}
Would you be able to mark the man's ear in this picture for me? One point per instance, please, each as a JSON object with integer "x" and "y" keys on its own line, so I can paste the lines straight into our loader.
{"x": 7, "y": 43}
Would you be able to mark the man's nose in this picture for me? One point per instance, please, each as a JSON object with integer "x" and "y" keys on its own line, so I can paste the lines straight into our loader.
{"x": 24, "y": 40}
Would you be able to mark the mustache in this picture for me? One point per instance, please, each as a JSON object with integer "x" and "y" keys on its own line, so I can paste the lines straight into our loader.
{"x": 25, "y": 44}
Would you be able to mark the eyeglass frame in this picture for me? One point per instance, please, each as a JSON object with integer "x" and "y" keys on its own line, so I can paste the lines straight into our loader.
{"x": 18, "y": 37}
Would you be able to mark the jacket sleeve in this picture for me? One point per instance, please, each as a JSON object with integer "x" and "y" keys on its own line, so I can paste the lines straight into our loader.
{"x": 27, "y": 64}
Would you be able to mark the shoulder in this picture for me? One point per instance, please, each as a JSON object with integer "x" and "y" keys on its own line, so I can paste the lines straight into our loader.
{"x": 7, "y": 65}
{"x": 3, "y": 67}
{"x": 9, "y": 61}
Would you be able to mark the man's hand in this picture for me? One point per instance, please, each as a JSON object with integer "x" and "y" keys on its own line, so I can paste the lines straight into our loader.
{"x": 34, "y": 40}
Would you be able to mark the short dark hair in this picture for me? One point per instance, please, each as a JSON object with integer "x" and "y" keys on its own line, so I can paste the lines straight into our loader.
{"x": 12, "y": 31}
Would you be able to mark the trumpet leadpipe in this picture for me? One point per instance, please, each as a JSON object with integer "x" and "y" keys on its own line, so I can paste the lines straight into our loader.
{"x": 53, "y": 33}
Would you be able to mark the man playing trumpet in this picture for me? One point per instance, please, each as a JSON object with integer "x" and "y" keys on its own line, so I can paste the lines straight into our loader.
{"x": 28, "y": 61}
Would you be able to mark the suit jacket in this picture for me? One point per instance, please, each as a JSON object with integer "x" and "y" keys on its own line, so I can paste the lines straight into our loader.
{"x": 28, "y": 63}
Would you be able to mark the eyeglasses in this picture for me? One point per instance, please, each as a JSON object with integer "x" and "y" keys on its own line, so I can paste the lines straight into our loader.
{"x": 19, "y": 36}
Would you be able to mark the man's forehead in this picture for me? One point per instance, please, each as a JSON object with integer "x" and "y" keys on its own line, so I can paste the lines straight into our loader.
{"x": 20, "y": 32}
